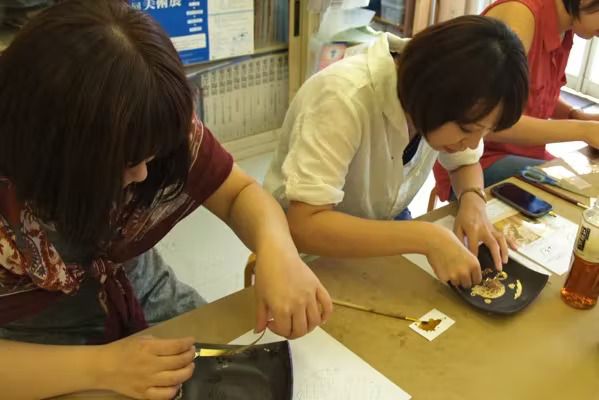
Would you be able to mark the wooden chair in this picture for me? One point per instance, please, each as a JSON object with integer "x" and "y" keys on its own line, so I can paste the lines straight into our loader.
{"x": 250, "y": 267}
{"x": 432, "y": 200}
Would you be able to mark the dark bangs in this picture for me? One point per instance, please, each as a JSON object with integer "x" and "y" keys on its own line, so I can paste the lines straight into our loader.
{"x": 574, "y": 7}
{"x": 459, "y": 71}
{"x": 161, "y": 125}
{"x": 89, "y": 89}
{"x": 505, "y": 85}
{"x": 164, "y": 134}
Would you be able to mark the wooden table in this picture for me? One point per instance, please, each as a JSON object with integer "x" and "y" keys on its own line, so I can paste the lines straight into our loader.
{"x": 548, "y": 351}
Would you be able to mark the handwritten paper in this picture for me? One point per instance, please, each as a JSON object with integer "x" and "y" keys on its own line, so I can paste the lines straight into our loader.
{"x": 325, "y": 369}
{"x": 231, "y": 34}
{"x": 536, "y": 256}
{"x": 546, "y": 241}
{"x": 497, "y": 210}
{"x": 448, "y": 222}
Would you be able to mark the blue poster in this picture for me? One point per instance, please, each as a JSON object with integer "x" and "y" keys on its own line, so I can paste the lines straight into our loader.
{"x": 185, "y": 21}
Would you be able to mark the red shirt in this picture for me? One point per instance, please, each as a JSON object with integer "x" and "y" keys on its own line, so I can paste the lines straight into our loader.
{"x": 547, "y": 60}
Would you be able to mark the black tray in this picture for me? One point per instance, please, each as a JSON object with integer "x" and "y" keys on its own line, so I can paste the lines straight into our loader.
{"x": 263, "y": 372}
{"x": 532, "y": 284}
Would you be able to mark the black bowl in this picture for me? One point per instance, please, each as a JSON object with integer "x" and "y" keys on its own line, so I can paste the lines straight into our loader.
{"x": 532, "y": 284}
{"x": 263, "y": 372}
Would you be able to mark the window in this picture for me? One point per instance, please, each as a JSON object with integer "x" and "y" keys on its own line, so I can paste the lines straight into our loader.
{"x": 583, "y": 66}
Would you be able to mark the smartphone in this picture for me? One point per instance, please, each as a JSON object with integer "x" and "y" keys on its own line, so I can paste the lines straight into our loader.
{"x": 525, "y": 202}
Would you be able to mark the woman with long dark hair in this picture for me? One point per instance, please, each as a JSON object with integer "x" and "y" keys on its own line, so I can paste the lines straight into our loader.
{"x": 101, "y": 156}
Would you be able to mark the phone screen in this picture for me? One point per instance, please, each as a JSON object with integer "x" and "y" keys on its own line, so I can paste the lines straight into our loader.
{"x": 523, "y": 199}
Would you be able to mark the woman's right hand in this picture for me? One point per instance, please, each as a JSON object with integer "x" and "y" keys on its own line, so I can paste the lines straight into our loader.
{"x": 451, "y": 260}
{"x": 146, "y": 367}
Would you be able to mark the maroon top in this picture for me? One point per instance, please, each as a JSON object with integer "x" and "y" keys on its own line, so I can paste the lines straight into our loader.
{"x": 33, "y": 275}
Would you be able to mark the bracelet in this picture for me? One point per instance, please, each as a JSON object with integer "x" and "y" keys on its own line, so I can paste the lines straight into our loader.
{"x": 480, "y": 192}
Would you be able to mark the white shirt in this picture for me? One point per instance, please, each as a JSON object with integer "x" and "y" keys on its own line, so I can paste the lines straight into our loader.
{"x": 343, "y": 139}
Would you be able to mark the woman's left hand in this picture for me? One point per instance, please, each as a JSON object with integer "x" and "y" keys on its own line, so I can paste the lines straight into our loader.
{"x": 472, "y": 223}
{"x": 291, "y": 301}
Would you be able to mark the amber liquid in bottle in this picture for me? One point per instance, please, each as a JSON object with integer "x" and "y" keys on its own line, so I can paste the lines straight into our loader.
{"x": 581, "y": 289}
{"x": 582, "y": 286}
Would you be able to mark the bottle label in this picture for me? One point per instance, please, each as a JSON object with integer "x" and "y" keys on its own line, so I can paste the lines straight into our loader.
{"x": 587, "y": 242}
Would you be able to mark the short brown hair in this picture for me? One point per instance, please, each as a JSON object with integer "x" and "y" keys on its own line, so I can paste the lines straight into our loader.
{"x": 460, "y": 70}
{"x": 90, "y": 88}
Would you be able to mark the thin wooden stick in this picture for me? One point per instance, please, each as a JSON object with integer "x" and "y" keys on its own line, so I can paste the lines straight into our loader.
{"x": 553, "y": 192}
{"x": 373, "y": 311}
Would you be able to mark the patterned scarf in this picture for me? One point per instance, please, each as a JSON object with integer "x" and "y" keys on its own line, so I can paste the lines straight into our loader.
{"x": 33, "y": 275}
{"x": 36, "y": 264}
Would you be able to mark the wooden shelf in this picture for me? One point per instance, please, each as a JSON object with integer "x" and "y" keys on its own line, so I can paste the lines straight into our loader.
{"x": 383, "y": 21}
{"x": 381, "y": 24}
{"x": 264, "y": 48}
{"x": 6, "y": 37}
{"x": 253, "y": 145}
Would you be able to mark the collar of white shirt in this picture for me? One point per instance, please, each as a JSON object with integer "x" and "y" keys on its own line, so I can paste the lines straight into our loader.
{"x": 384, "y": 77}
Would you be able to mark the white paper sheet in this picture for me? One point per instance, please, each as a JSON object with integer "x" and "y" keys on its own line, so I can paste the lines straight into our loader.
{"x": 325, "y": 369}
{"x": 449, "y": 221}
{"x": 497, "y": 210}
{"x": 227, "y": 6}
{"x": 547, "y": 240}
{"x": 338, "y": 20}
{"x": 580, "y": 163}
{"x": 421, "y": 261}
{"x": 445, "y": 324}
{"x": 543, "y": 244}
{"x": 189, "y": 42}
{"x": 348, "y": 4}
{"x": 566, "y": 177}
{"x": 320, "y": 6}
{"x": 231, "y": 34}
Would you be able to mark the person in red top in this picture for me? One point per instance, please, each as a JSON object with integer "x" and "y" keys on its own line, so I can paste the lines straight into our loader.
{"x": 546, "y": 29}
{"x": 101, "y": 156}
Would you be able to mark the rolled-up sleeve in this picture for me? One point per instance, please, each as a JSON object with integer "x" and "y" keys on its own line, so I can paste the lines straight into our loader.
{"x": 323, "y": 143}
{"x": 453, "y": 161}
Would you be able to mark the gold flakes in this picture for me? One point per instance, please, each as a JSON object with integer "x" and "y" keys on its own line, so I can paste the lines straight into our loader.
{"x": 518, "y": 289}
